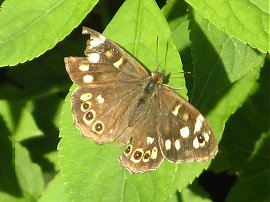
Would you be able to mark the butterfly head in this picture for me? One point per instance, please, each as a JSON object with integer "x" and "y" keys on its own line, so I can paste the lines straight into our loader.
{"x": 156, "y": 80}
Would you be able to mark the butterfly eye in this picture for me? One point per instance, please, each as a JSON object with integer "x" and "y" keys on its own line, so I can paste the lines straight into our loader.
{"x": 151, "y": 86}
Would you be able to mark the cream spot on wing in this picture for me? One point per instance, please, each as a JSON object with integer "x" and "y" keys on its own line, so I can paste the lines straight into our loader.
{"x": 111, "y": 131}
{"x": 202, "y": 144}
{"x": 200, "y": 117}
{"x": 108, "y": 53}
{"x": 103, "y": 38}
{"x": 175, "y": 111}
{"x": 118, "y": 63}
{"x": 206, "y": 136}
{"x": 177, "y": 144}
{"x": 84, "y": 67}
{"x": 154, "y": 153}
{"x": 196, "y": 143}
{"x": 185, "y": 116}
{"x": 100, "y": 99}
{"x": 198, "y": 124}
{"x": 168, "y": 144}
{"x": 85, "y": 31}
{"x": 88, "y": 78}
{"x": 184, "y": 132}
{"x": 95, "y": 41}
{"x": 93, "y": 57}
{"x": 86, "y": 96}
{"x": 150, "y": 140}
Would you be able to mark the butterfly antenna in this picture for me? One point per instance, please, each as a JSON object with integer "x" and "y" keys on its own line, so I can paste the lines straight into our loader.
{"x": 158, "y": 65}
{"x": 181, "y": 73}
{"x": 176, "y": 74}
{"x": 166, "y": 54}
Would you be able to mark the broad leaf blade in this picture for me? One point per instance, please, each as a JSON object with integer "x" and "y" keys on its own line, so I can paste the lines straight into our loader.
{"x": 29, "y": 28}
{"x": 247, "y": 20}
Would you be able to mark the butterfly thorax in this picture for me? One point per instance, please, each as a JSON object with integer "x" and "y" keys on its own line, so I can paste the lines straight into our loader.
{"x": 151, "y": 89}
{"x": 155, "y": 81}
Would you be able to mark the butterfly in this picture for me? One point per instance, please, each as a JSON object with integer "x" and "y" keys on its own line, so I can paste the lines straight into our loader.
{"x": 118, "y": 99}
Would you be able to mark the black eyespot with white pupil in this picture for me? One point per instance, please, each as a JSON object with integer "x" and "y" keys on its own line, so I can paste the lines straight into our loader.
{"x": 85, "y": 106}
{"x": 98, "y": 127}
{"x": 89, "y": 116}
{"x": 137, "y": 155}
{"x": 146, "y": 155}
{"x": 201, "y": 139}
{"x": 128, "y": 149}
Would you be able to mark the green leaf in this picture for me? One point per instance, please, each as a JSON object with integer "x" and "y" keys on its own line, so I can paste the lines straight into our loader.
{"x": 245, "y": 145}
{"x": 54, "y": 191}
{"x": 29, "y": 28}
{"x": 41, "y": 76}
{"x": 256, "y": 174}
{"x": 189, "y": 195}
{"x": 176, "y": 14}
{"x": 225, "y": 71}
{"x": 21, "y": 180}
{"x": 92, "y": 170}
{"x": 19, "y": 120}
{"x": 29, "y": 174}
{"x": 246, "y": 20}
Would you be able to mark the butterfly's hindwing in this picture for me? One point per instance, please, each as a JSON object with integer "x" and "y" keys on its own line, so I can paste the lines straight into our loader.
{"x": 92, "y": 107}
{"x": 117, "y": 98}
{"x": 143, "y": 152}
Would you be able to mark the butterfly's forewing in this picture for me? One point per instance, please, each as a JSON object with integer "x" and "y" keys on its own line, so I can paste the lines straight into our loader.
{"x": 109, "y": 82}
{"x": 184, "y": 134}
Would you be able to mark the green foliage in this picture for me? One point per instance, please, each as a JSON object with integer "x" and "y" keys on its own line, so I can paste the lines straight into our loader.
{"x": 229, "y": 83}
{"x": 246, "y": 20}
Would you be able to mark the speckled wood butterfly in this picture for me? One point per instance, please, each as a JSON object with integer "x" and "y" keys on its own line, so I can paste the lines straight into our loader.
{"x": 118, "y": 99}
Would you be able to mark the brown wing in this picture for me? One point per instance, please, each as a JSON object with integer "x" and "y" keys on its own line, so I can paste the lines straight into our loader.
{"x": 109, "y": 81}
{"x": 105, "y": 62}
{"x": 184, "y": 134}
{"x": 143, "y": 152}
